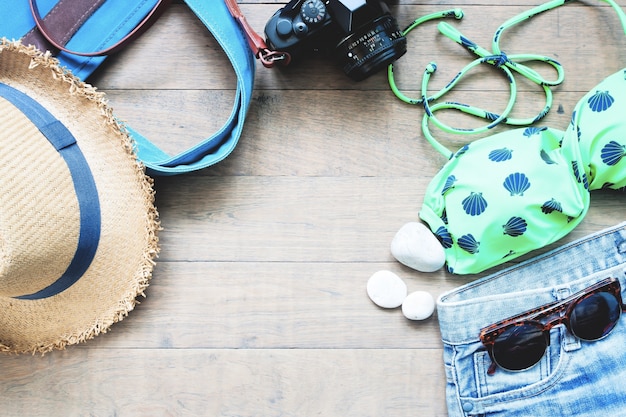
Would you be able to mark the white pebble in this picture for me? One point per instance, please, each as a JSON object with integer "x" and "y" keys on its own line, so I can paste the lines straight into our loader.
{"x": 418, "y": 305}
{"x": 386, "y": 289}
{"x": 415, "y": 246}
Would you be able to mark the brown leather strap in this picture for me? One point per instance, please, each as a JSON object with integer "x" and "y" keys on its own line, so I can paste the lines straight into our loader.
{"x": 66, "y": 17}
{"x": 267, "y": 57}
{"x": 63, "y": 21}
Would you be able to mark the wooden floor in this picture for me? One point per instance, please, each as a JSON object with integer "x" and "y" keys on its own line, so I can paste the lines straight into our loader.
{"x": 258, "y": 306}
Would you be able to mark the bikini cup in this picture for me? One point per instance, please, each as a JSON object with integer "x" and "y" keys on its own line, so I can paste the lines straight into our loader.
{"x": 502, "y": 196}
{"x": 505, "y": 195}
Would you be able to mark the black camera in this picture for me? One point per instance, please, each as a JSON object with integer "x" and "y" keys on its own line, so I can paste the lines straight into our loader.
{"x": 361, "y": 34}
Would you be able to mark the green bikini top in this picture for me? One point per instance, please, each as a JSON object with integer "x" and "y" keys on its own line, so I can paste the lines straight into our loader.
{"x": 502, "y": 196}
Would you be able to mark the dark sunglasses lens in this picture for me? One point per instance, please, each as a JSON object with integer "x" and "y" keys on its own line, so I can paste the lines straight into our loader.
{"x": 520, "y": 346}
{"x": 595, "y": 316}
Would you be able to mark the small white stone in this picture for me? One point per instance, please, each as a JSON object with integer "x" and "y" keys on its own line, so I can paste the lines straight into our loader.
{"x": 386, "y": 289}
{"x": 415, "y": 246}
{"x": 418, "y": 305}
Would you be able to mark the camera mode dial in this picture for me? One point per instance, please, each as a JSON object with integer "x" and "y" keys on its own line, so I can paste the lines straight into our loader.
{"x": 313, "y": 11}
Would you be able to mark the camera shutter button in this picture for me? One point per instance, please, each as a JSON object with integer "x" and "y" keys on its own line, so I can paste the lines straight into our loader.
{"x": 283, "y": 27}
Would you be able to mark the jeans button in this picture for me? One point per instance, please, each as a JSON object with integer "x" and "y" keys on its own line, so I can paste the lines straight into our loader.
{"x": 467, "y": 407}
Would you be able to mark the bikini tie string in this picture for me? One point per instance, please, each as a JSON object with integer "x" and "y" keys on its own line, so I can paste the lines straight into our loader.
{"x": 508, "y": 64}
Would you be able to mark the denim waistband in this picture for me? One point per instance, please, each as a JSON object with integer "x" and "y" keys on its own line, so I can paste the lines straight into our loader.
{"x": 552, "y": 276}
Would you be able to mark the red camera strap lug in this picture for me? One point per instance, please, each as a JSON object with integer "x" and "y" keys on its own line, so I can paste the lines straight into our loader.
{"x": 267, "y": 56}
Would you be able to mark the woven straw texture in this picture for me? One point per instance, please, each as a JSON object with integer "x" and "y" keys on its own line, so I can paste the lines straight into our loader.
{"x": 39, "y": 216}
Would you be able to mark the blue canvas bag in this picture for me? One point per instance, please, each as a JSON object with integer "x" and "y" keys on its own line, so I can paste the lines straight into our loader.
{"x": 102, "y": 24}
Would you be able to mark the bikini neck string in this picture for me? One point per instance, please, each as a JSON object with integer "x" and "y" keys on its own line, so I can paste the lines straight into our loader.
{"x": 498, "y": 59}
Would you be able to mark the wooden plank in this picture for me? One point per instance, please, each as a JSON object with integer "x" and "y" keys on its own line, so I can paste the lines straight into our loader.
{"x": 215, "y": 382}
{"x": 305, "y": 219}
{"x": 270, "y": 305}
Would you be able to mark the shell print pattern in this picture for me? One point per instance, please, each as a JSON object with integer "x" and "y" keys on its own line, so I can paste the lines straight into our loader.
{"x": 444, "y": 237}
{"x": 581, "y": 176}
{"x": 474, "y": 204}
{"x": 612, "y": 153}
{"x": 576, "y": 170}
{"x": 516, "y": 184}
{"x": 550, "y": 206}
{"x": 461, "y": 151}
{"x": 572, "y": 120}
{"x": 516, "y": 226}
{"x": 449, "y": 184}
{"x": 500, "y": 155}
{"x": 444, "y": 216}
{"x": 469, "y": 244}
{"x": 530, "y": 131}
{"x": 575, "y": 126}
{"x": 546, "y": 158}
{"x": 600, "y": 101}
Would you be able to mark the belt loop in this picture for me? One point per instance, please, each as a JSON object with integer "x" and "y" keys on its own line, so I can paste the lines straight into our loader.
{"x": 570, "y": 342}
{"x": 562, "y": 293}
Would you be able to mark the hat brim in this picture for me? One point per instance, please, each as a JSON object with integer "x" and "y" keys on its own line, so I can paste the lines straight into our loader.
{"x": 122, "y": 265}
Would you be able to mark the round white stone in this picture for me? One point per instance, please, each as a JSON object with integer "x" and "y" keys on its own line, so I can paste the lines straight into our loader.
{"x": 415, "y": 246}
{"x": 418, "y": 305}
{"x": 386, "y": 289}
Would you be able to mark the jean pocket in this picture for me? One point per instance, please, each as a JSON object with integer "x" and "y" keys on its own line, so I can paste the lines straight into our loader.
{"x": 518, "y": 383}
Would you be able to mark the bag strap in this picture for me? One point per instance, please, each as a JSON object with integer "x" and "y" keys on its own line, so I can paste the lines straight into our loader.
{"x": 62, "y": 22}
{"x": 217, "y": 18}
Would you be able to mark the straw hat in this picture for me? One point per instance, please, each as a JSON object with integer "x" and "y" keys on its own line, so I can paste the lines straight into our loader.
{"x": 78, "y": 226}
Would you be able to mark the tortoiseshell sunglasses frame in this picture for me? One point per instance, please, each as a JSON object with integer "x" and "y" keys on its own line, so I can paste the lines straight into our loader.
{"x": 489, "y": 335}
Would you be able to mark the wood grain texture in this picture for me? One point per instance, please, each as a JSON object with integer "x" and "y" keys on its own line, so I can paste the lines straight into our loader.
{"x": 258, "y": 304}
{"x": 218, "y": 382}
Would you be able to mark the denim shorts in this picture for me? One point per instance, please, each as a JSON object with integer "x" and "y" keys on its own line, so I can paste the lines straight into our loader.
{"x": 574, "y": 377}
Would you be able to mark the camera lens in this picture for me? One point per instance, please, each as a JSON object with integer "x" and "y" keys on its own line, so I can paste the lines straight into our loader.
{"x": 371, "y": 48}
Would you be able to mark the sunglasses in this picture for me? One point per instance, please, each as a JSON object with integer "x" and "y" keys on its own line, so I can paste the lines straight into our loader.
{"x": 519, "y": 342}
